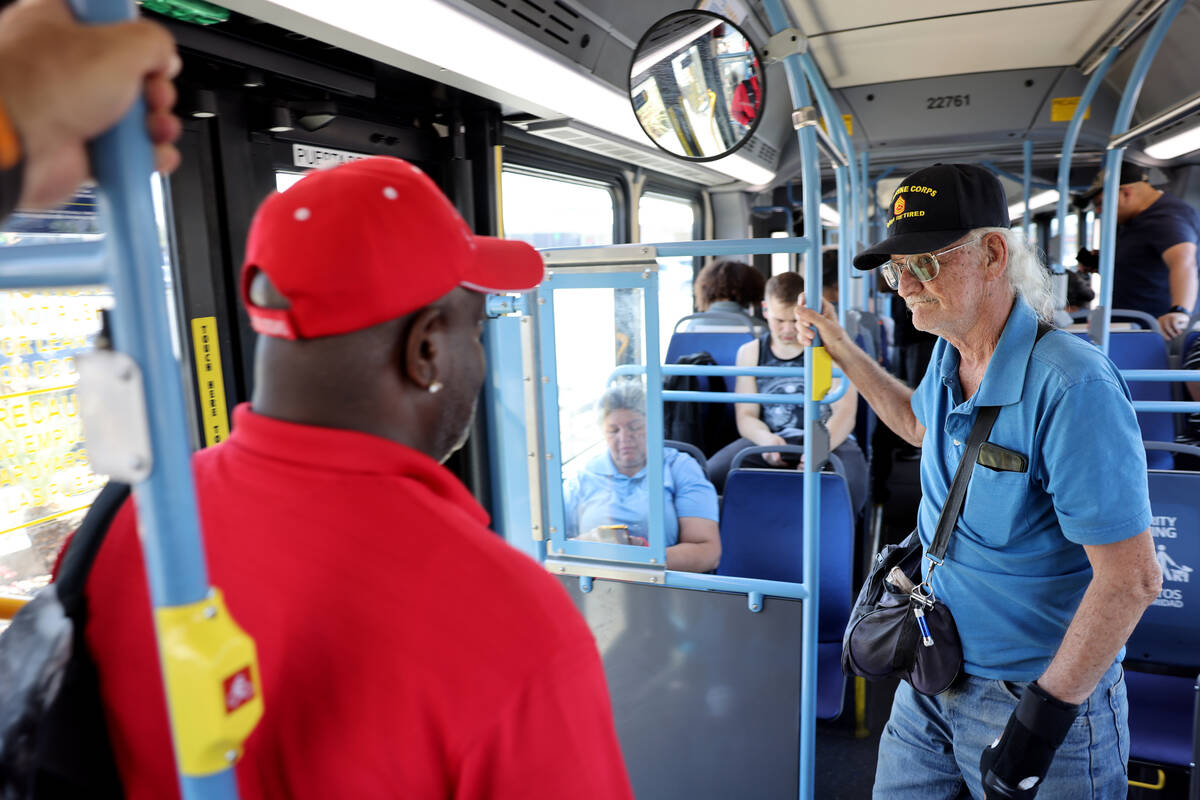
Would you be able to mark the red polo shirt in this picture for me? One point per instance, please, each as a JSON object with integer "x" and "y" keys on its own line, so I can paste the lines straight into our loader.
{"x": 406, "y": 651}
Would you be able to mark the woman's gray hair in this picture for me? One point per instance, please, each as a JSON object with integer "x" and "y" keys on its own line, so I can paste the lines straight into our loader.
{"x": 1027, "y": 276}
{"x": 621, "y": 396}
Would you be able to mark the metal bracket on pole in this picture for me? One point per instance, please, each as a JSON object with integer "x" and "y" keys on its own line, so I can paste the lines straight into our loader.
{"x": 499, "y": 305}
{"x": 788, "y": 42}
{"x": 820, "y": 444}
{"x": 112, "y": 405}
{"x": 804, "y": 117}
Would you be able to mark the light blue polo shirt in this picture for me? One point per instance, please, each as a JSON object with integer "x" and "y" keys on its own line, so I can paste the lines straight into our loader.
{"x": 599, "y": 494}
{"x": 1015, "y": 570}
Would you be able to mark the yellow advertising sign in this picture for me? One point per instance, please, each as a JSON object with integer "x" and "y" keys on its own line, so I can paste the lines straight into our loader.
{"x": 209, "y": 380}
{"x": 1062, "y": 109}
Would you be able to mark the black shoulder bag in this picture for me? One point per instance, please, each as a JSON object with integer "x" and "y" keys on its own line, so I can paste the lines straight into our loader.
{"x": 53, "y": 739}
{"x": 898, "y": 627}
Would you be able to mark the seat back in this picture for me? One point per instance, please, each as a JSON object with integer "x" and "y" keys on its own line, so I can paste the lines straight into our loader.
{"x": 1169, "y": 631}
{"x": 721, "y": 345}
{"x": 1139, "y": 318}
{"x": 762, "y": 536}
{"x": 690, "y": 449}
{"x": 1146, "y": 350}
{"x": 1162, "y": 717}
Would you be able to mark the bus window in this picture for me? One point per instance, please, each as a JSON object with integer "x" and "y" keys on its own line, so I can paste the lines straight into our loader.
{"x": 594, "y": 331}
{"x": 1070, "y": 241}
{"x": 548, "y": 210}
{"x": 583, "y": 372}
{"x": 46, "y": 483}
{"x": 663, "y": 218}
{"x": 286, "y": 180}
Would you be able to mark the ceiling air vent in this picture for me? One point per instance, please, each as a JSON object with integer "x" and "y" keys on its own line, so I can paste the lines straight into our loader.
{"x": 576, "y": 134}
{"x": 555, "y": 23}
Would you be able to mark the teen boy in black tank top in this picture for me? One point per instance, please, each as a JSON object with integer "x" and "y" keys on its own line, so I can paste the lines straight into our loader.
{"x": 779, "y": 424}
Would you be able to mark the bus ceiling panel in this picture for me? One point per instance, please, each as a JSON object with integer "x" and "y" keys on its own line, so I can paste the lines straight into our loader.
{"x": 992, "y": 106}
{"x": 823, "y": 17}
{"x": 1026, "y": 37}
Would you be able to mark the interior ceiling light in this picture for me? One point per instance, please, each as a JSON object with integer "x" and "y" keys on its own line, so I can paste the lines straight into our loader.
{"x": 454, "y": 42}
{"x": 1040, "y": 200}
{"x": 281, "y": 120}
{"x": 204, "y": 104}
{"x": 1183, "y": 142}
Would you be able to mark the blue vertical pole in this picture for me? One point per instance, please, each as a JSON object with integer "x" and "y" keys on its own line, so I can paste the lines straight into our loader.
{"x": 123, "y": 163}
{"x": 812, "y": 513}
{"x": 1068, "y": 152}
{"x": 864, "y": 195}
{"x": 842, "y": 174}
{"x": 1112, "y": 163}
{"x": 1026, "y": 179}
{"x": 654, "y": 411}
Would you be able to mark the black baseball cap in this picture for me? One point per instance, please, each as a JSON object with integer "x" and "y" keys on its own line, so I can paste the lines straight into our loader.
{"x": 1130, "y": 173}
{"x": 935, "y": 206}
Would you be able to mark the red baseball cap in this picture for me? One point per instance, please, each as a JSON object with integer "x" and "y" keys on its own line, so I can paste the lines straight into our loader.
{"x": 366, "y": 242}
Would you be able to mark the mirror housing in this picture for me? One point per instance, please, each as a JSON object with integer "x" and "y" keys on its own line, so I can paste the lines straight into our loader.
{"x": 697, "y": 85}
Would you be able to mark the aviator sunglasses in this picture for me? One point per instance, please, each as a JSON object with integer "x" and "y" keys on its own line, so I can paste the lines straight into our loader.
{"x": 924, "y": 267}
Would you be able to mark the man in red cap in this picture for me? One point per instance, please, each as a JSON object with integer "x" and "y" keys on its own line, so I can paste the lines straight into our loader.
{"x": 405, "y": 650}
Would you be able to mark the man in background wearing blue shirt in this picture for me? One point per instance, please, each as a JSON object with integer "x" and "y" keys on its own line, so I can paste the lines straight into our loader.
{"x": 1154, "y": 268}
{"x": 1050, "y": 563}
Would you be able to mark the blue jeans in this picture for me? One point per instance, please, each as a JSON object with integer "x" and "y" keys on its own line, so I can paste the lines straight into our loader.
{"x": 931, "y": 746}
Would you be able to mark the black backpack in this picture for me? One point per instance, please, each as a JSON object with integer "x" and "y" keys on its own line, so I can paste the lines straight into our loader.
{"x": 709, "y": 426}
{"x": 53, "y": 739}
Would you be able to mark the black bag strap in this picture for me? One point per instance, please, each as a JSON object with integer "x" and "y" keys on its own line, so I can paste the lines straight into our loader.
{"x": 958, "y": 488}
{"x": 85, "y": 544}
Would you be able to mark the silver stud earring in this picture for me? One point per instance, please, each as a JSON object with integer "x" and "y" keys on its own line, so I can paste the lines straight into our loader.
{"x": 435, "y": 387}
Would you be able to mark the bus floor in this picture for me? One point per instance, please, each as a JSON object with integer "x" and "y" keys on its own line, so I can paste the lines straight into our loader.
{"x": 847, "y": 746}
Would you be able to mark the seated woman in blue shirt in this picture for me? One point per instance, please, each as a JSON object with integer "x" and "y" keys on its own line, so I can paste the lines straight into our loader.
{"x": 612, "y": 490}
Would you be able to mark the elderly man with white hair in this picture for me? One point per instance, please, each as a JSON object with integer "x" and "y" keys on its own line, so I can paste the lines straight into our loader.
{"x": 1050, "y": 564}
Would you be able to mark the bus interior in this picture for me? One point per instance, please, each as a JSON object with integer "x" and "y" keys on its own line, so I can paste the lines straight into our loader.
{"x": 603, "y": 134}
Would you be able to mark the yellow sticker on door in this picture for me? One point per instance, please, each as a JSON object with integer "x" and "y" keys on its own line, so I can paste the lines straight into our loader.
{"x": 214, "y": 418}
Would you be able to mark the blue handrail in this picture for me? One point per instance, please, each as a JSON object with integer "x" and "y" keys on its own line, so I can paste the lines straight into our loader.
{"x": 1026, "y": 178}
{"x": 1068, "y": 149}
{"x": 129, "y": 259}
{"x": 794, "y": 67}
{"x": 1112, "y": 163}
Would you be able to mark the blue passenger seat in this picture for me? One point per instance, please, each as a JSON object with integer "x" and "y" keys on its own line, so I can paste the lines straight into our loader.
{"x": 1163, "y": 653}
{"x": 1146, "y": 350}
{"x": 722, "y": 344}
{"x": 762, "y": 536}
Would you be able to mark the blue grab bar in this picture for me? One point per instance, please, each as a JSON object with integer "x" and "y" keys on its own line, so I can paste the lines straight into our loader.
{"x": 129, "y": 259}
{"x": 1112, "y": 163}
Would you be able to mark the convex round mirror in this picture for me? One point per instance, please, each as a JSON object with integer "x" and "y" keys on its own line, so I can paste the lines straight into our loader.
{"x": 697, "y": 85}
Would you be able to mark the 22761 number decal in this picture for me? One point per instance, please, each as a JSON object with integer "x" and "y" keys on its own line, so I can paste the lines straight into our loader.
{"x": 948, "y": 101}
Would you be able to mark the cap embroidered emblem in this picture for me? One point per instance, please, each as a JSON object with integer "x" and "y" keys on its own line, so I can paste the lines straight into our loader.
{"x": 898, "y": 209}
